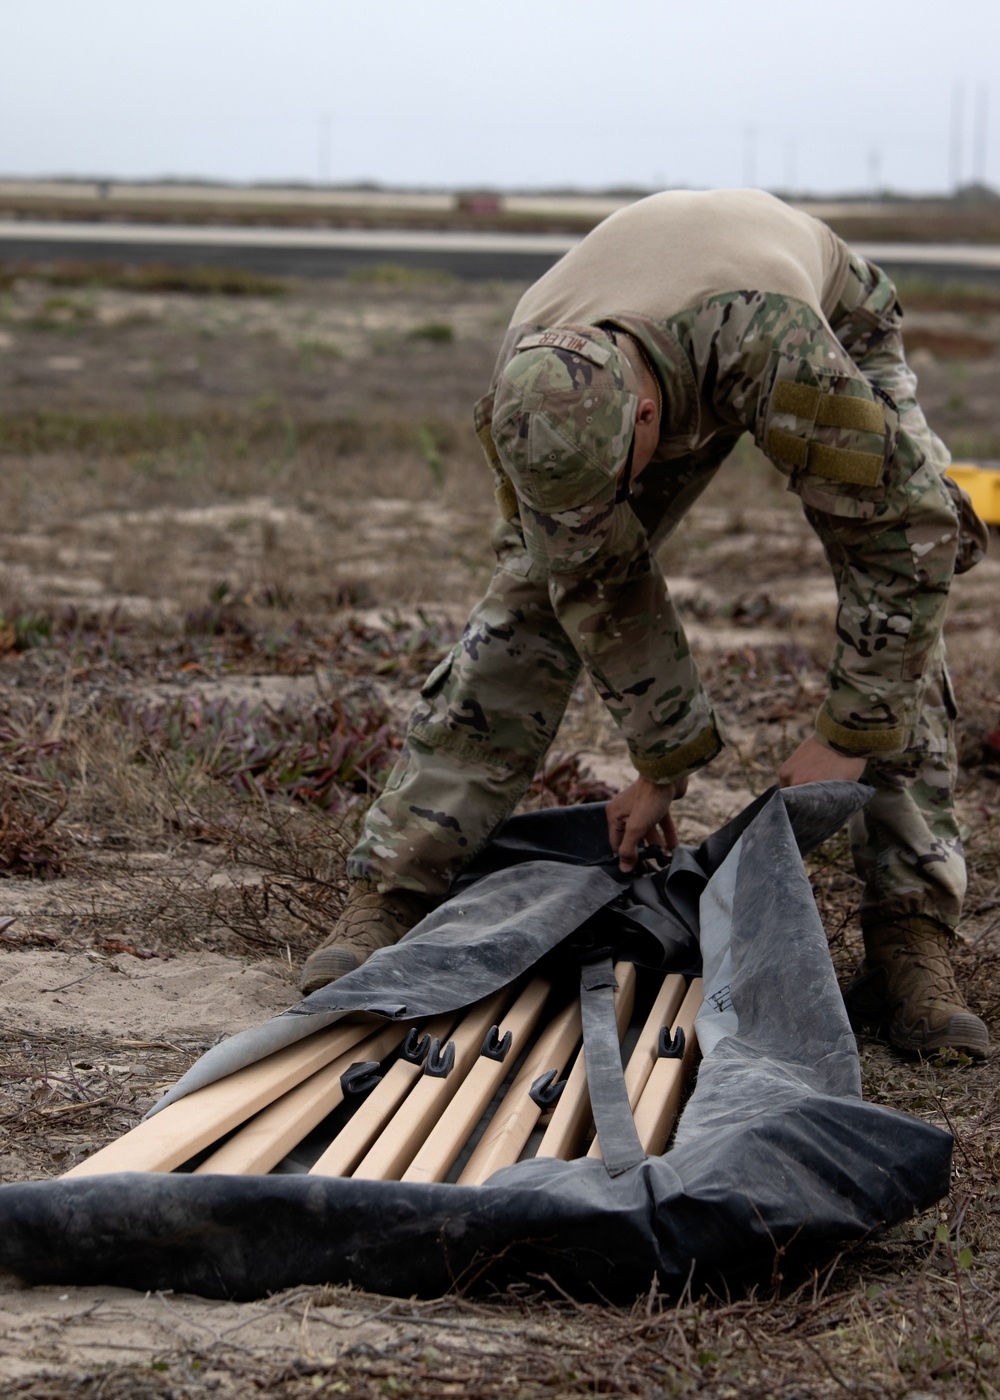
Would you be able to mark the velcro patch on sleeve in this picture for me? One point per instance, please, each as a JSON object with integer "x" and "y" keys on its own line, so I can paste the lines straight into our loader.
{"x": 801, "y": 399}
{"x": 845, "y": 411}
{"x": 485, "y": 435}
{"x": 834, "y": 463}
{"x": 786, "y": 447}
{"x": 843, "y": 464}
{"x": 566, "y": 340}
{"x": 859, "y": 741}
{"x": 693, "y": 754}
{"x": 506, "y": 499}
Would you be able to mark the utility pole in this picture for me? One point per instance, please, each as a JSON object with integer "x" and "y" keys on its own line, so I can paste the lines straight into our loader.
{"x": 875, "y": 173}
{"x": 980, "y": 133}
{"x": 325, "y": 149}
{"x": 955, "y": 149}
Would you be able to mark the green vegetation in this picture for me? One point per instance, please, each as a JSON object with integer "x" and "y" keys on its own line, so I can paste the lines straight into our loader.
{"x": 319, "y": 753}
{"x": 430, "y": 454}
{"x": 201, "y": 279}
{"x": 312, "y": 349}
{"x": 263, "y": 429}
{"x": 921, "y": 293}
{"x": 974, "y": 447}
{"x": 394, "y": 275}
{"x": 438, "y": 332}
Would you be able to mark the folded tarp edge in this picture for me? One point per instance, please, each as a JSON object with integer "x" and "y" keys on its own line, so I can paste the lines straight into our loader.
{"x": 480, "y": 940}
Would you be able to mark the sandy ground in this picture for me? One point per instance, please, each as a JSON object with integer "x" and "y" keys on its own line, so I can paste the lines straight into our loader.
{"x": 234, "y": 1349}
{"x": 191, "y": 995}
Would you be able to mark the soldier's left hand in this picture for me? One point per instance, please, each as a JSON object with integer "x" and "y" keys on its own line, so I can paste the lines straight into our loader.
{"x": 641, "y": 812}
{"x": 813, "y": 762}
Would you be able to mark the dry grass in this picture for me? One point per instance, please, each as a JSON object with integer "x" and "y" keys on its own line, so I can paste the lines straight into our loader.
{"x": 841, "y": 1331}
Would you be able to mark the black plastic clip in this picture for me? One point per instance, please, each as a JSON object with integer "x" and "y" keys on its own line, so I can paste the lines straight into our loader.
{"x": 440, "y": 1063}
{"x": 671, "y": 1048}
{"x": 545, "y": 1090}
{"x": 415, "y": 1046}
{"x": 495, "y": 1047}
{"x": 360, "y": 1077}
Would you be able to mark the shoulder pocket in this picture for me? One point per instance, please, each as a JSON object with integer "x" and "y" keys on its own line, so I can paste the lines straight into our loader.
{"x": 830, "y": 432}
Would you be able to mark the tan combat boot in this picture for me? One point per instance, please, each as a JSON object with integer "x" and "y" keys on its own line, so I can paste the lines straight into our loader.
{"x": 369, "y": 921}
{"x": 905, "y": 989}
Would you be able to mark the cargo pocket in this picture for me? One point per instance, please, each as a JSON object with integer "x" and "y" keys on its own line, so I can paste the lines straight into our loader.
{"x": 429, "y": 708}
{"x": 397, "y": 773}
{"x": 435, "y": 682}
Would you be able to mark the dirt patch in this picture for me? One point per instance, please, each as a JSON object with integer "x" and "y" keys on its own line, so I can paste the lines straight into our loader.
{"x": 216, "y": 515}
{"x": 202, "y": 996}
{"x": 953, "y": 345}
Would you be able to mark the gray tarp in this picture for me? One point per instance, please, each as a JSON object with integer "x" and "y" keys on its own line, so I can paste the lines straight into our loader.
{"x": 774, "y": 1146}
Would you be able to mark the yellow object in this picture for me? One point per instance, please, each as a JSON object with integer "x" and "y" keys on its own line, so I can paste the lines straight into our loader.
{"x": 983, "y": 486}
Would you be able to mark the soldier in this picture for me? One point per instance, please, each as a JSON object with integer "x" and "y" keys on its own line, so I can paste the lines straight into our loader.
{"x": 628, "y": 373}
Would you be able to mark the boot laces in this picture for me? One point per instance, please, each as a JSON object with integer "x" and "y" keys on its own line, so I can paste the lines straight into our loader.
{"x": 925, "y": 961}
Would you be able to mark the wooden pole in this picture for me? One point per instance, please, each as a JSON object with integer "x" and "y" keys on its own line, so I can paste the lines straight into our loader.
{"x": 656, "y": 1111}
{"x": 571, "y": 1115}
{"x": 357, "y": 1135}
{"x": 392, "y": 1152}
{"x": 446, "y": 1139}
{"x": 511, "y": 1125}
{"x": 260, "y": 1144}
{"x": 413, "y": 1125}
{"x": 191, "y": 1124}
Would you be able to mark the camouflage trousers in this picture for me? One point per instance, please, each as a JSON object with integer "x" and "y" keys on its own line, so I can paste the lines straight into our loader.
{"x": 509, "y": 681}
{"x": 485, "y": 717}
{"x": 906, "y": 842}
{"x": 488, "y": 713}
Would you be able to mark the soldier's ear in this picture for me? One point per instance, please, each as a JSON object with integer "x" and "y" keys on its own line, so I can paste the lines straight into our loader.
{"x": 647, "y": 411}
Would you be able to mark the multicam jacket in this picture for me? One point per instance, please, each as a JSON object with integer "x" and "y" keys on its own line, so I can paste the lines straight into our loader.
{"x": 754, "y": 318}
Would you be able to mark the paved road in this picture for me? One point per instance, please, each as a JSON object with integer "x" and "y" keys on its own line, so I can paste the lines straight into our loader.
{"x": 287, "y": 251}
{"x": 335, "y": 252}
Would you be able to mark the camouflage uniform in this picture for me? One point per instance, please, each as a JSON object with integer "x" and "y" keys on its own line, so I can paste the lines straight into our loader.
{"x": 831, "y": 401}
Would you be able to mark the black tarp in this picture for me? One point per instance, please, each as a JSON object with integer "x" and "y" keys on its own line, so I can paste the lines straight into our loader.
{"x": 775, "y": 1145}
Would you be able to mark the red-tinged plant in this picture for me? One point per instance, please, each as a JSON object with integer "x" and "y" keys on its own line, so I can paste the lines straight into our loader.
{"x": 564, "y": 781}
{"x": 28, "y": 844}
{"x": 326, "y": 754}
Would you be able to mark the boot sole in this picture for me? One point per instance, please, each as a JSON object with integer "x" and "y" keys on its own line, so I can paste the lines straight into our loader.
{"x": 870, "y": 1014}
{"x": 962, "y": 1032}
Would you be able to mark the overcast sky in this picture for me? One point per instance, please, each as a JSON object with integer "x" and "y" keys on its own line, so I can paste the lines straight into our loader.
{"x": 788, "y": 94}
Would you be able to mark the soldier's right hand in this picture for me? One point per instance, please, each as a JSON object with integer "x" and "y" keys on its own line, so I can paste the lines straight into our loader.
{"x": 641, "y": 813}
